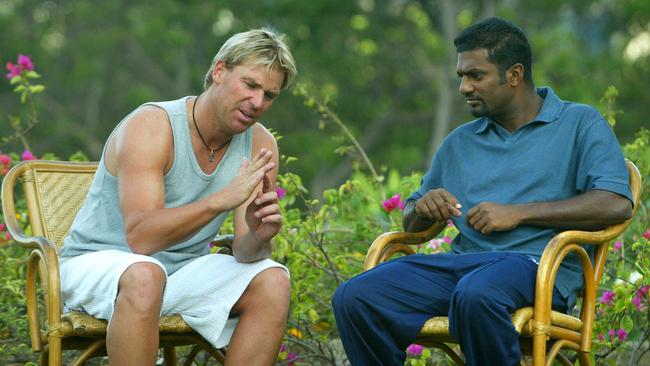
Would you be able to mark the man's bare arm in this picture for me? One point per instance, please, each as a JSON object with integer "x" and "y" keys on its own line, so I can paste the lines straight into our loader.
{"x": 589, "y": 211}
{"x": 142, "y": 153}
{"x": 258, "y": 220}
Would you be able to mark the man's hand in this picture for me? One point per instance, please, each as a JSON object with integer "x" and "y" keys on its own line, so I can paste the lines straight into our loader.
{"x": 263, "y": 213}
{"x": 437, "y": 205}
{"x": 487, "y": 217}
{"x": 248, "y": 178}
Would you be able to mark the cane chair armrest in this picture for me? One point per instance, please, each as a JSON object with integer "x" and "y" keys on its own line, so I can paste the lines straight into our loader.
{"x": 9, "y": 208}
{"x": 224, "y": 243}
{"x": 572, "y": 241}
{"x": 390, "y": 243}
{"x": 43, "y": 262}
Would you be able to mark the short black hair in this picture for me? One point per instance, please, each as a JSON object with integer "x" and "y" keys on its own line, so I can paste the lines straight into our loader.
{"x": 506, "y": 44}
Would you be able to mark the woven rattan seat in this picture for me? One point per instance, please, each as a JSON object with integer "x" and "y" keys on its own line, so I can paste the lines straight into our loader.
{"x": 539, "y": 327}
{"x": 54, "y": 192}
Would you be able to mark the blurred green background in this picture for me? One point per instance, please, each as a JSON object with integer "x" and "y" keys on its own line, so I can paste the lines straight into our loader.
{"x": 387, "y": 68}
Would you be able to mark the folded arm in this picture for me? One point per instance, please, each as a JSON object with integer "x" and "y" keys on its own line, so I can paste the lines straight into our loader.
{"x": 592, "y": 210}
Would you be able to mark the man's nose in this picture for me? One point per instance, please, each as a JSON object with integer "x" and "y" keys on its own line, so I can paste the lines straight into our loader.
{"x": 465, "y": 87}
{"x": 257, "y": 99}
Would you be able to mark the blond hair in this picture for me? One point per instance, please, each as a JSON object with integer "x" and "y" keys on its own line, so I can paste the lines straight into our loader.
{"x": 258, "y": 47}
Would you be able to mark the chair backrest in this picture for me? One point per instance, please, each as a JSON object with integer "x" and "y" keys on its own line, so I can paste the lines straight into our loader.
{"x": 54, "y": 192}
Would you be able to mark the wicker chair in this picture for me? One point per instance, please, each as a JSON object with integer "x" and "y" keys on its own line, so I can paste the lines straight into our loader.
{"x": 537, "y": 325}
{"x": 54, "y": 192}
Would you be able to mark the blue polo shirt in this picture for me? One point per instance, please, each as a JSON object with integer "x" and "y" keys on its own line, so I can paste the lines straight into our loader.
{"x": 568, "y": 149}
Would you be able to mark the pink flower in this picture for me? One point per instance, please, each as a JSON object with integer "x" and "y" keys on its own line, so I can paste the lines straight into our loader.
{"x": 601, "y": 337}
{"x": 2, "y": 227}
{"x": 5, "y": 163}
{"x": 393, "y": 203}
{"x": 612, "y": 334}
{"x": 27, "y": 155}
{"x": 291, "y": 358}
{"x": 5, "y": 159}
{"x": 607, "y": 297}
{"x": 644, "y": 290}
{"x": 414, "y": 349}
{"x": 617, "y": 246}
{"x": 622, "y": 334}
{"x": 283, "y": 347}
{"x": 281, "y": 192}
{"x": 447, "y": 240}
{"x": 637, "y": 302}
{"x": 14, "y": 70}
{"x": 25, "y": 62}
{"x": 434, "y": 243}
{"x": 647, "y": 234}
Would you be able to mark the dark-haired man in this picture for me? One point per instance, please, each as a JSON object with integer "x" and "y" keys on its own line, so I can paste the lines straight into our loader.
{"x": 527, "y": 167}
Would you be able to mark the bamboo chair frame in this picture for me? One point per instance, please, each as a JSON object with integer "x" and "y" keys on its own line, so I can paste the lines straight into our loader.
{"x": 538, "y": 325}
{"x": 54, "y": 191}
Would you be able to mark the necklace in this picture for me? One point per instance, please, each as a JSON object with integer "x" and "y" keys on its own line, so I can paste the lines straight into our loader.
{"x": 212, "y": 151}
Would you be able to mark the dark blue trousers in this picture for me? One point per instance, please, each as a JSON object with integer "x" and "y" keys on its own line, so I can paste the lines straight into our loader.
{"x": 380, "y": 312}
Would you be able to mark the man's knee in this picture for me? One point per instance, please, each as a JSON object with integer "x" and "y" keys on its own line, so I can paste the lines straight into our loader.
{"x": 473, "y": 295}
{"x": 270, "y": 288}
{"x": 141, "y": 287}
{"x": 348, "y": 297}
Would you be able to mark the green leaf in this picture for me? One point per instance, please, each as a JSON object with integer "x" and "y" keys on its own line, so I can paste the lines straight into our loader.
{"x": 627, "y": 323}
{"x": 16, "y": 79}
{"x": 19, "y": 89}
{"x": 313, "y": 315}
{"x": 32, "y": 75}
{"x": 23, "y": 97}
{"x": 37, "y": 88}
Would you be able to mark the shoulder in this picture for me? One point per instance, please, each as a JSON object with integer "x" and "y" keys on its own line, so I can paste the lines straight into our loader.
{"x": 263, "y": 138}
{"x": 579, "y": 111}
{"x": 146, "y": 131}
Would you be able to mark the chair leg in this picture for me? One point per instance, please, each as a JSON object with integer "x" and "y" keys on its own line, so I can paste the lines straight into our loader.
{"x": 584, "y": 359}
{"x": 88, "y": 352}
{"x": 54, "y": 351}
{"x": 192, "y": 355}
{"x": 450, "y": 352}
{"x": 169, "y": 356}
{"x": 45, "y": 355}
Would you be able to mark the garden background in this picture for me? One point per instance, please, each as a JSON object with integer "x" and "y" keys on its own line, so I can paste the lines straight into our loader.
{"x": 375, "y": 95}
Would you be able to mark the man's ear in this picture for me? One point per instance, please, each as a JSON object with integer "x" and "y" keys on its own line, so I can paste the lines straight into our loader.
{"x": 515, "y": 74}
{"x": 218, "y": 71}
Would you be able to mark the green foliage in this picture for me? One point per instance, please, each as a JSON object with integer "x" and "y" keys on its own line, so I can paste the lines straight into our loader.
{"x": 623, "y": 309}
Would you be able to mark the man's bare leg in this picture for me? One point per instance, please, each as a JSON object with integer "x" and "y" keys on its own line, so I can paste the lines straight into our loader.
{"x": 262, "y": 313}
{"x": 132, "y": 338}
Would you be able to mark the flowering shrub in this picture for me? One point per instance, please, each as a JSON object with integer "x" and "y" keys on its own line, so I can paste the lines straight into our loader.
{"x": 324, "y": 241}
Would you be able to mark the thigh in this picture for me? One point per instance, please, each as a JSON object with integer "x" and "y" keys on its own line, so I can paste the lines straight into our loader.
{"x": 505, "y": 278}
{"x": 415, "y": 283}
{"x": 215, "y": 278}
{"x": 89, "y": 282}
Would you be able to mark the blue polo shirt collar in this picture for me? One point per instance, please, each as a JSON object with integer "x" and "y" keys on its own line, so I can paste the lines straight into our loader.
{"x": 550, "y": 111}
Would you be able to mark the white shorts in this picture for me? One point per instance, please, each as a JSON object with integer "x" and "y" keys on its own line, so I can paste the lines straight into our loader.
{"x": 203, "y": 292}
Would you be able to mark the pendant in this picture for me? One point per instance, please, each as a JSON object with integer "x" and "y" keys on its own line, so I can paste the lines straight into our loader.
{"x": 211, "y": 158}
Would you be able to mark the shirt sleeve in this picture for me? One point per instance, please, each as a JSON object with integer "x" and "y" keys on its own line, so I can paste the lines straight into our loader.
{"x": 601, "y": 164}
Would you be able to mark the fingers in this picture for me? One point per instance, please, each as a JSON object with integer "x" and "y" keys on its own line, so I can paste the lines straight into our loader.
{"x": 269, "y": 214}
{"x": 264, "y": 198}
{"x": 262, "y": 161}
{"x": 266, "y": 184}
{"x": 438, "y": 205}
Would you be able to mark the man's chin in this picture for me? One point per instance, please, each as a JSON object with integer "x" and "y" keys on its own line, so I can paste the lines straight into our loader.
{"x": 479, "y": 113}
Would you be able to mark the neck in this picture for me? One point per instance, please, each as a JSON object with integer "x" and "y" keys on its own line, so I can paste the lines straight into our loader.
{"x": 525, "y": 107}
{"x": 213, "y": 149}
